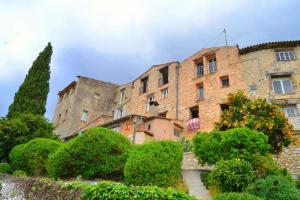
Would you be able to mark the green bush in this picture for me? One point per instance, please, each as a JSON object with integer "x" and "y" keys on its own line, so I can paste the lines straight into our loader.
{"x": 115, "y": 191}
{"x": 234, "y": 143}
{"x": 257, "y": 114}
{"x": 232, "y": 175}
{"x": 274, "y": 188}
{"x": 32, "y": 156}
{"x": 22, "y": 129}
{"x": 5, "y": 168}
{"x": 19, "y": 173}
{"x": 97, "y": 153}
{"x": 205, "y": 178}
{"x": 186, "y": 144}
{"x": 154, "y": 163}
{"x": 236, "y": 196}
{"x": 297, "y": 183}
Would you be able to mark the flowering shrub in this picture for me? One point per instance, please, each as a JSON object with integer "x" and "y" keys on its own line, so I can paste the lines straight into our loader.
{"x": 258, "y": 115}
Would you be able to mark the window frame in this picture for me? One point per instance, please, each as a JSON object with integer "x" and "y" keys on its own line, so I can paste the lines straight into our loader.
{"x": 84, "y": 115}
{"x": 200, "y": 95}
{"x": 292, "y": 106}
{"x": 281, "y": 80}
{"x": 199, "y": 69}
{"x": 148, "y": 102}
{"x": 122, "y": 95}
{"x": 210, "y": 66}
{"x": 285, "y": 55}
{"x": 164, "y": 93}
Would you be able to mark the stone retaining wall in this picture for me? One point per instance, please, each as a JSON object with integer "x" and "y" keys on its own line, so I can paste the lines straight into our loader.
{"x": 190, "y": 162}
{"x": 289, "y": 158}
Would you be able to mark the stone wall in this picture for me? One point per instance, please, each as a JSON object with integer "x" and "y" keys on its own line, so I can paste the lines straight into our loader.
{"x": 289, "y": 158}
{"x": 228, "y": 64}
{"x": 190, "y": 162}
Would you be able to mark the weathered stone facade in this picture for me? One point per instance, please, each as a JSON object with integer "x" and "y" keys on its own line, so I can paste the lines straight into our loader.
{"x": 192, "y": 91}
{"x": 91, "y": 96}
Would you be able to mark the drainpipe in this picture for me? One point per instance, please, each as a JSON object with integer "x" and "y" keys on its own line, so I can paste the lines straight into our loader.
{"x": 177, "y": 90}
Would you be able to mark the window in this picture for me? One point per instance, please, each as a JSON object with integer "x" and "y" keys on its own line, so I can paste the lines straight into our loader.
{"x": 66, "y": 115}
{"x": 285, "y": 55}
{"x": 177, "y": 132}
{"x": 200, "y": 92}
{"x": 252, "y": 88}
{"x": 58, "y": 119}
{"x": 212, "y": 65}
{"x": 150, "y": 101}
{"x": 194, "y": 112}
{"x": 97, "y": 95}
{"x": 144, "y": 85}
{"x": 224, "y": 81}
{"x": 200, "y": 69}
{"x": 122, "y": 95}
{"x": 290, "y": 111}
{"x": 282, "y": 85}
{"x": 84, "y": 115}
{"x": 164, "y": 93}
{"x": 164, "y": 76}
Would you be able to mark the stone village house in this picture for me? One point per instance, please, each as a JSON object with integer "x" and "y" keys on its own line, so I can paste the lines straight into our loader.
{"x": 178, "y": 99}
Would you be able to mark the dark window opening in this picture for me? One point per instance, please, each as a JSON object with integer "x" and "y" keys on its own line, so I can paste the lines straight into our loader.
{"x": 224, "y": 107}
{"x": 194, "y": 112}
{"x": 164, "y": 76}
{"x": 224, "y": 81}
{"x": 144, "y": 85}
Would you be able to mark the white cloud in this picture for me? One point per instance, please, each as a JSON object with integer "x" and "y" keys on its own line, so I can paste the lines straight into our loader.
{"x": 124, "y": 26}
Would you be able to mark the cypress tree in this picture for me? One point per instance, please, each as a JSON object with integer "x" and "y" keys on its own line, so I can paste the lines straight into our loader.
{"x": 32, "y": 94}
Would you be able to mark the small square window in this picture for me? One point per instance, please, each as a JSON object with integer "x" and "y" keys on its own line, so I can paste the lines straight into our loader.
{"x": 224, "y": 81}
{"x": 285, "y": 55}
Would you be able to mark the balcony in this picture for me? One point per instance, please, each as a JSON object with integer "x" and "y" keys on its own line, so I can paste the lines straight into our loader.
{"x": 193, "y": 124}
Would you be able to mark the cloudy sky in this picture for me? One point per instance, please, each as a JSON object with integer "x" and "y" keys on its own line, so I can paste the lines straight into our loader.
{"x": 116, "y": 41}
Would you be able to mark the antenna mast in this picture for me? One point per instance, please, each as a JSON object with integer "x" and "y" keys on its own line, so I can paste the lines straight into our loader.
{"x": 225, "y": 34}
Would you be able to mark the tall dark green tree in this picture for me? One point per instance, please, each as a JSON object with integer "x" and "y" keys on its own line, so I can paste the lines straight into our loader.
{"x": 32, "y": 94}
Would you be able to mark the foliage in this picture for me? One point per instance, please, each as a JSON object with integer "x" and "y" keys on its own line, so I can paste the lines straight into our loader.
{"x": 231, "y": 175}
{"x": 274, "y": 188}
{"x": 154, "y": 163}
{"x": 19, "y": 173}
{"x": 32, "y": 156}
{"x": 5, "y": 168}
{"x": 257, "y": 114}
{"x": 32, "y": 94}
{"x": 236, "y": 196}
{"x": 186, "y": 144}
{"x": 204, "y": 176}
{"x": 97, "y": 153}
{"x": 234, "y": 143}
{"x": 297, "y": 183}
{"x": 115, "y": 191}
{"x": 22, "y": 129}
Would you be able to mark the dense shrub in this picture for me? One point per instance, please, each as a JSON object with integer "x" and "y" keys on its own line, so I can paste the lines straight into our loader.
{"x": 187, "y": 145}
{"x": 236, "y": 196}
{"x": 205, "y": 178}
{"x": 5, "y": 168}
{"x": 231, "y": 175}
{"x": 155, "y": 163}
{"x": 258, "y": 115}
{"x": 234, "y": 143}
{"x": 22, "y": 129}
{"x": 116, "y": 191}
{"x": 97, "y": 153}
{"x": 19, "y": 173}
{"x": 32, "y": 156}
{"x": 297, "y": 183}
{"x": 274, "y": 188}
